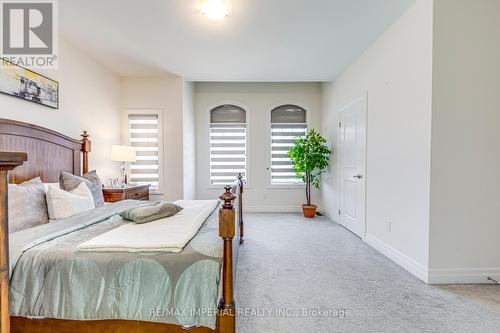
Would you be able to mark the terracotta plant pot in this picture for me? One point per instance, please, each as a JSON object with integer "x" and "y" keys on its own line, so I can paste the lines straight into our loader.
{"x": 309, "y": 211}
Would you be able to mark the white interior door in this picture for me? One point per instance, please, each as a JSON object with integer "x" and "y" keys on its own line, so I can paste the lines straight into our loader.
{"x": 352, "y": 166}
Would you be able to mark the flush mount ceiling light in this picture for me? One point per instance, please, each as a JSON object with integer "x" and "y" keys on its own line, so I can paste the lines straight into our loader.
{"x": 215, "y": 9}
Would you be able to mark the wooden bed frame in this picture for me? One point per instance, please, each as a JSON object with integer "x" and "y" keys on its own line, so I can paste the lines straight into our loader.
{"x": 28, "y": 151}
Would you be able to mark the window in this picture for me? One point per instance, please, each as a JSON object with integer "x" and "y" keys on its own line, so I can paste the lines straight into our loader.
{"x": 227, "y": 144}
{"x": 144, "y": 135}
{"x": 287, "y": 122}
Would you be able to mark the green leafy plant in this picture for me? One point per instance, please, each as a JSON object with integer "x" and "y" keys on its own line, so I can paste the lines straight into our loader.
{"x": 310, "y": 156}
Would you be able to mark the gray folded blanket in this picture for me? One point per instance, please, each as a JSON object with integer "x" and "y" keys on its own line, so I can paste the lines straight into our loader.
{"x": 152, "y": 211}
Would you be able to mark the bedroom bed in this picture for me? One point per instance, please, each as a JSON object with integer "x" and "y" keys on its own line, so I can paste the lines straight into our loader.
{"x": 56, "y": 287}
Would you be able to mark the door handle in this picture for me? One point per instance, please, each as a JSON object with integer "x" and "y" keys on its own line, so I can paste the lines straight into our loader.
{"x": 359, "y": 176}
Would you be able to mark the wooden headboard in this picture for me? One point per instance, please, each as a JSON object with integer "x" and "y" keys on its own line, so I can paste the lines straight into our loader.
{"x": 49, "y": 152}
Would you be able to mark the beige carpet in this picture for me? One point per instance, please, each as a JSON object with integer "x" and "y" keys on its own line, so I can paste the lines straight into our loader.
{"x": 488, "y": 294}
{"x": 297, "y": 275}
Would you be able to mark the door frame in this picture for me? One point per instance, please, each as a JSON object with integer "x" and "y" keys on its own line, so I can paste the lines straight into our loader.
{"x": 363, "y": 171}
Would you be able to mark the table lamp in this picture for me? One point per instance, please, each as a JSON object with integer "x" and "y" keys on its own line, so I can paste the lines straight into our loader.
{"x": 123, "y": 154}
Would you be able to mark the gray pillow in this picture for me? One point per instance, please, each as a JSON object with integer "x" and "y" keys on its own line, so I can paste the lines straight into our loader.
{"x": 27, "y": 205}
{"x": 152, "y": 211}
{"x": 68, "y": 182}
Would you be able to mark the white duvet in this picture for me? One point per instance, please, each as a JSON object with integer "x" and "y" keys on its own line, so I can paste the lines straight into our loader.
{"x": 169, "y": 234}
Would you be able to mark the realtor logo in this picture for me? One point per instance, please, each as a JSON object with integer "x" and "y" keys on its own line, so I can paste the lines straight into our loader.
{"x": 29, "y": 32}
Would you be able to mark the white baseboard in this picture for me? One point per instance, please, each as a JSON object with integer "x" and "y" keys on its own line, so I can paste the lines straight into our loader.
{"x": 463, "y": 275}
{"x": 436, "y": 275}
{"x": 276, "y": 209}
{"x": 399, "y": 258}
{"x": 272, "y": 209}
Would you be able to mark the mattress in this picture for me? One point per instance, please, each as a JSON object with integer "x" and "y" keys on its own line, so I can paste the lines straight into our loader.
{"x": 51, "y": 278}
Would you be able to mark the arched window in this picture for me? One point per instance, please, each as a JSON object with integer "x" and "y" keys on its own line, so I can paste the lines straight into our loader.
{"x": 228, "y": 144}
{"x": 287, "y": 122}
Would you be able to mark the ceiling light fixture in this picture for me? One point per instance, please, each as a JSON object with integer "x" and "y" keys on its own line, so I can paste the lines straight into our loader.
{"x": 215, "y": 9}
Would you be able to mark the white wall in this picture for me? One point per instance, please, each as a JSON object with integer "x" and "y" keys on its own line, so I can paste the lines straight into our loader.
{"x": 258, "y": 99}
{"x": 465, "y": 186}
{"x": 396, "y": 72}
{"x": 89, "y": 100}
{"x": 165, "y": 93}
{"x": 189, "y": 141}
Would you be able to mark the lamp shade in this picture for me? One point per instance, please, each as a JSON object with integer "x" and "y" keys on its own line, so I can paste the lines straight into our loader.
{"x": 123, "y": 153}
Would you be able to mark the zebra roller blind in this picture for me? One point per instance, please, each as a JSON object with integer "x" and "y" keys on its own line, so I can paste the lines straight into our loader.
{"x": 227, "y": 144}
{"x": 287, "y": 122}
{"x": 144, "y": 136}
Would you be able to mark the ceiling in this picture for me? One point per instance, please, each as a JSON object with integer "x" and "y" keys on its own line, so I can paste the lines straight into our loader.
{"x": 261, "y": 40}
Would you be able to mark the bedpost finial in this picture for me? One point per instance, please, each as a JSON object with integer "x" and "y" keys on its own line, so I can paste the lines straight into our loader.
{"x": 228, "y": 197}
{"x": 85, "y": 143}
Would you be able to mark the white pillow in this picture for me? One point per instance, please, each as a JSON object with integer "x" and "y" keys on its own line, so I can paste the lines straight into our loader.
{"x": 62, "y": 204}
{"x": 47, "y": 185}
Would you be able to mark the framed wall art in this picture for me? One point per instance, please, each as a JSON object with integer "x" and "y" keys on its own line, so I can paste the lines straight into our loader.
{"x": 24, "y": 83}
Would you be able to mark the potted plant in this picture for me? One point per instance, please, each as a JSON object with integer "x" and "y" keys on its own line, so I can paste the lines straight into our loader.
{"x": 310, "y": 156}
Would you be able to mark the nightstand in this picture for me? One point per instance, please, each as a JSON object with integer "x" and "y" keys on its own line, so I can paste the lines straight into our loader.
{"x": 139, "y": 192}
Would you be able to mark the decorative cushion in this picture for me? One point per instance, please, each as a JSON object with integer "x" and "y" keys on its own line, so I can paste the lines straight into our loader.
{"x": 47, "y": 185}
{"x": 154, "y": 210}
{"x": 27, "y": 205}
{"x": 62, "y": 204}
{"x": 68, "y": 182}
